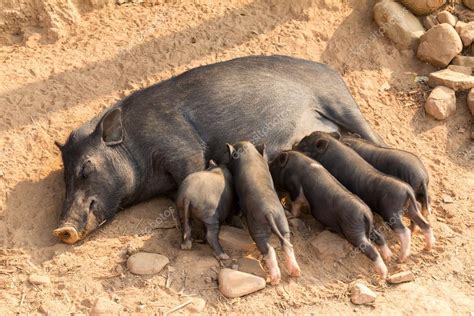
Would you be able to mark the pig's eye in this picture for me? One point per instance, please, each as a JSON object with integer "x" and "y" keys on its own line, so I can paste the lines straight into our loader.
{"x": 86, "y": 169}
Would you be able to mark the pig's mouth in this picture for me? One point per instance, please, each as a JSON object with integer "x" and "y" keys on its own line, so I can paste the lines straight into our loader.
{"x": 68, "y": 232}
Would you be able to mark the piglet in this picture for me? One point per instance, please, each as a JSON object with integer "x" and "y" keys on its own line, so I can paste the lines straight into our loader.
{"x": 395, "y": 162}
{"x": 384, "y": 194}
{"x": 261, "y": 206}
{"x": 207, "y": 197}
{"x": 330, "y": 203}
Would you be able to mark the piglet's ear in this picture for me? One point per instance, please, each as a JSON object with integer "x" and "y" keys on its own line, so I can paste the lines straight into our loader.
{"x": 336, "y": 135}
{"x": 59, "y": 145}
{"x": 111, "y": 126}
{"x": 322, "y": 145}
{"x": 231, "y": 151}
{"x": 212, "y": 164}
{"x": 283, "y": 159}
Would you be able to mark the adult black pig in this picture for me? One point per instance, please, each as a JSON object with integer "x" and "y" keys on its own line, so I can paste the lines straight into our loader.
{"x": 151, "y": 140}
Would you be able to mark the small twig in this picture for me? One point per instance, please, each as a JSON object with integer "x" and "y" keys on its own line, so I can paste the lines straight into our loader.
{"x": 178, "y": 307}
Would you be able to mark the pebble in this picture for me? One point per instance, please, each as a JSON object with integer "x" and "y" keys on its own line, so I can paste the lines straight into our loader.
{"x": 462, "y": 69}
{"x": 103, "y": 306}
{"x": 441, "y": 103}
{"x": 236, "y": 239}
{"x": 361, "y": 294}
{"x": 330, "y": 245}
{"x": 38, "y": 279}
{"x": 460, "y": 26}
{"x": 439, "y": 45}
{"x": 52, "y": 307}
{"x": 399, "y": 24}
{"x": 146, "y": 263}
{"x": 447, "y": 17}
{"x": 197, "y": 306}
{"x": 467, "y": 33}
{"x": 423, "y": 7}
{"x": 447, "y": 199}
{"x": 467, "y": 61}
{"x": 451, "y": 79}
{"x": 252, "y": 266}
{"x": 234, "y": 283}
{"x": 429, "y": 21}
{"x": 472, "y": 131}
{"x": 470, "y": 101}
{"x": 401, "y": 277}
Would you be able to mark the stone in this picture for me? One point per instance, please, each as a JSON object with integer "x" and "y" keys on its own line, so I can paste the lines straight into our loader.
{"x": 401, "y": 277}
{"x": 197, "y": 305}
{"x": 297, "y": 224}
{"x": 103, "y": 306}
{"x": 470, "y": 101}
{"x": 461, "y": 69}
{"x": 234, "y": 283}
{"x": 441, "y": 103}
{"x": 361, "y": 294}
{"x": 451, "y": 79}
{"x": 467, "y": 34}
{"x": 252, "y": 266}
{"x": 398, "y": 24}
{"x": 467, "y": 61}
{"x": 472, "y": 131}
{"x": 423, "y": 7}
{"x": 447, "y": 17}
{"x": 146, "y": 263}
{"x": 236, "y": 239}
{"x": 330, "y": 245}
{"x": 439, "y": 45}
{"x": 53, "y": 307}
{"x": 448, "y": 199}
{"x": 460, "y": 26}
{"x": 429, "y": 21}
{"x": 38, "y": 279}
{"x": 469, "y": 4}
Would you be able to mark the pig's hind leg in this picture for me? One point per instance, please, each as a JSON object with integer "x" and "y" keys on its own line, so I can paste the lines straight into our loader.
{"x": 291, "y": 263}
{"x": 403, "y": 233}
{"x": 378, "y": 238}
{"x": 212, "y": 237}
{"x": 261, "y": 237}
{"x": 418, "y": 219}
{"x": 185, "y": 220}
{"x": 364, "y": 245}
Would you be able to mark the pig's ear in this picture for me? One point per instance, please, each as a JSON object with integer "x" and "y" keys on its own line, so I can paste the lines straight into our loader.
{"x": 336, "y": 135}
{"x": 231, "y": 151}
{"x": 262, "y": 151}
{"x": 212, "y": 164}
{"x": 322, "y": 144}
{"x": 283, "y": 159}
{"x": 111, "y": 126}
{"x": 59, "y": 145}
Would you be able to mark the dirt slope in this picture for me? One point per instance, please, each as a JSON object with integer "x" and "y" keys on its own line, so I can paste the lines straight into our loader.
{"x": 50, "y": 85}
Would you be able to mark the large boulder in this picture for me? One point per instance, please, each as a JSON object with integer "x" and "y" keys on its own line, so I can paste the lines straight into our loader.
{"x": 439, "y": 45}
{"x": 423, "y": 7}
{"x": 441, "y": 103}
{"x": 400, "y": 25}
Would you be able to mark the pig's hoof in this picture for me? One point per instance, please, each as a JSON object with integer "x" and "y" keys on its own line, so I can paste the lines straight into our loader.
{"x": 294, "y": 271}
{"x": 386, "y": 253}
{"x": 275, "y": 280}
{"x": 187, "y": 245}
{"x": 429, "y": 239}
{"x": 381, "y": 268}
{"x": 223, "y": 256}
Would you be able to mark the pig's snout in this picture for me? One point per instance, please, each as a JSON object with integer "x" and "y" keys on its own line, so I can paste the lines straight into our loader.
{"x": 67, "y": 234}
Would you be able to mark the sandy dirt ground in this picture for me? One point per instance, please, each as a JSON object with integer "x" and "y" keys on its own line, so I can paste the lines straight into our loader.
{"x": 51, "y": 84}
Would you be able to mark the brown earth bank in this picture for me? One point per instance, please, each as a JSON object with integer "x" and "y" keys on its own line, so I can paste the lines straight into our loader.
{"x": 60, "y": 64}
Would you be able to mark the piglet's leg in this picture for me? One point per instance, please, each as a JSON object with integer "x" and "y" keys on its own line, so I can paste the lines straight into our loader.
{"x": 298, "y": 203}
{"x": 404, "y": 235}
{"x": 363, "y": 244}
{"x": 378, "y": 238}
{"x": 213, "y": 240}
{"x": 272, "y": 265}
{"x": 419, "y": 220}
{"x": 261, "y": 236}
{"x": 291, "y": 264}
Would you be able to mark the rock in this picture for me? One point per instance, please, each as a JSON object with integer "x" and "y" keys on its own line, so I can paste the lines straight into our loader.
{"x": 470, "y": 101}
{"x": 441, "y": 103}
{"x": 429, "y": 21}
{"x": 197, "y": 306}
{"x": 361, "y": 294}
{"x": 235, "y": 283}
{"x": 103, "y": 306}
{"x": 467, "y": 33}
{"x": 398, "y": 24}
{"x": 330, "y": 245}
{"x": 447, "y": 199}
{"x": 146, "y": 263}
{"x": 52, "y": 307}
{"x": 401, "y": 277}
{"x": 469, "y": 4}
{"x": 451, "y": 79}
{"x": 423, "y": 7}
{"x": 236, "y": 239}
{"x": 472, "y": 131}
{"x": 467, "y": 61}
{"x": 460, "y": 26}
{"x": 38, "y": 279}
{"x": 447, "y": 17}
{"x": 439, "y": 45}
{"x": 462, "y": 69}
{"x": 297, "y": 224}
{"x": 252, "y": 266}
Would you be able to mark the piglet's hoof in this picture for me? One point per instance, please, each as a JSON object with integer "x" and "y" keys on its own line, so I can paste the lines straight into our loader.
{"x": 187, "y": 245}
{"x": 223, "y": 256}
